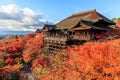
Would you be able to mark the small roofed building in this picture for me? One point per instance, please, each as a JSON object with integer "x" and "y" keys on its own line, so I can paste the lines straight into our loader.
{"x": 38, "y": 31}
{"x": 48, "y": 30}
{"x": 78, "y": 28}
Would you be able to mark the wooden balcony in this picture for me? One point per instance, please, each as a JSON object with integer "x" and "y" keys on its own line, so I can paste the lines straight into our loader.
{"x": 55, "y": 39}
{"x": 87, "y": 38}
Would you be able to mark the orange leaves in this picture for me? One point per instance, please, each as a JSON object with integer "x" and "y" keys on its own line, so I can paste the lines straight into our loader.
{"x": 118, "y": 24}
{"x": 93, "y": 60}
{"x": 12, "y": 47}
{"x": 28, "y": 36}
{"x": 42, "y": 61}
{"x": 32, "y": 47}
{"x": 3, "y": 47}
{"x": 21, "y": 49}
{"x": 27, "y": 57}
{"x": 96, "y": 59}
{"x": 35, "y": 42}
{"x": 14, "y": 68}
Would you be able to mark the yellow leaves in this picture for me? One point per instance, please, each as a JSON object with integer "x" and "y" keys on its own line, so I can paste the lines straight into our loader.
{"x": 14, "y": 68}
{"x": 60, "y": 57}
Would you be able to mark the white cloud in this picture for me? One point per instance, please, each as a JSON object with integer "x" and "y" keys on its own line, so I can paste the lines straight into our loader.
{"x": 13, "y": 17}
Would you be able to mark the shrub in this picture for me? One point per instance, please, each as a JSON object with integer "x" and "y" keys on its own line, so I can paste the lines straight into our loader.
{"x": 2, "y": 63}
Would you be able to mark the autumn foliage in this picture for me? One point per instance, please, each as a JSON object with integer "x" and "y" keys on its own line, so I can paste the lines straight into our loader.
{"x": 98, "y": 60}
{"x": 17, "y": 51}
{"x": 32, "y": 47}
{"x": 118, "y": 24}
{"x": 91, "y": 61}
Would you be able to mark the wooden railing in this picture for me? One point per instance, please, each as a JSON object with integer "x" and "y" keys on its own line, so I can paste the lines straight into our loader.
{"x": 82, "y": 37}
{"x": 56, "y": 38}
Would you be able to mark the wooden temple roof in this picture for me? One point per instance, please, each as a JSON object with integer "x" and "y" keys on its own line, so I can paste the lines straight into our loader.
{"x": 90, "y": 17}
{"x": 83, "y": 20}
{"x": 87, "y": 25}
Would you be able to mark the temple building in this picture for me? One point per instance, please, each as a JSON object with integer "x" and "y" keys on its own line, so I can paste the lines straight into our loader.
{"x": 75, "y": 30}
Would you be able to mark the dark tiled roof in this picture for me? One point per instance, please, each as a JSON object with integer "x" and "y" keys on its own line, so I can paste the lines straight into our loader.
{"x": 87, "y": 25}
{"x": 38, "y": 30}
{"x": 49, "y": 27}
{"x": 72, "y": 21}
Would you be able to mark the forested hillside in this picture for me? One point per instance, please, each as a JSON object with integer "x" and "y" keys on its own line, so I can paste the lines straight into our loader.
{"x": 91, "y": 61}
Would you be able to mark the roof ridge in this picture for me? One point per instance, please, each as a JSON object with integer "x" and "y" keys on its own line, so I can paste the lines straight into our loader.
{"x": 84, "y": 12}
{"x": 76, "y": 14}
{"x": 103, "y": 17}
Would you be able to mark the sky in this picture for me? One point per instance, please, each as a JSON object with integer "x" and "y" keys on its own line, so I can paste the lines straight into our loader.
{"x": 29, "y": 15}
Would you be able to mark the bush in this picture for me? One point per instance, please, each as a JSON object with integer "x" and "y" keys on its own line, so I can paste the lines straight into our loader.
{"x": 2, "y": 63}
